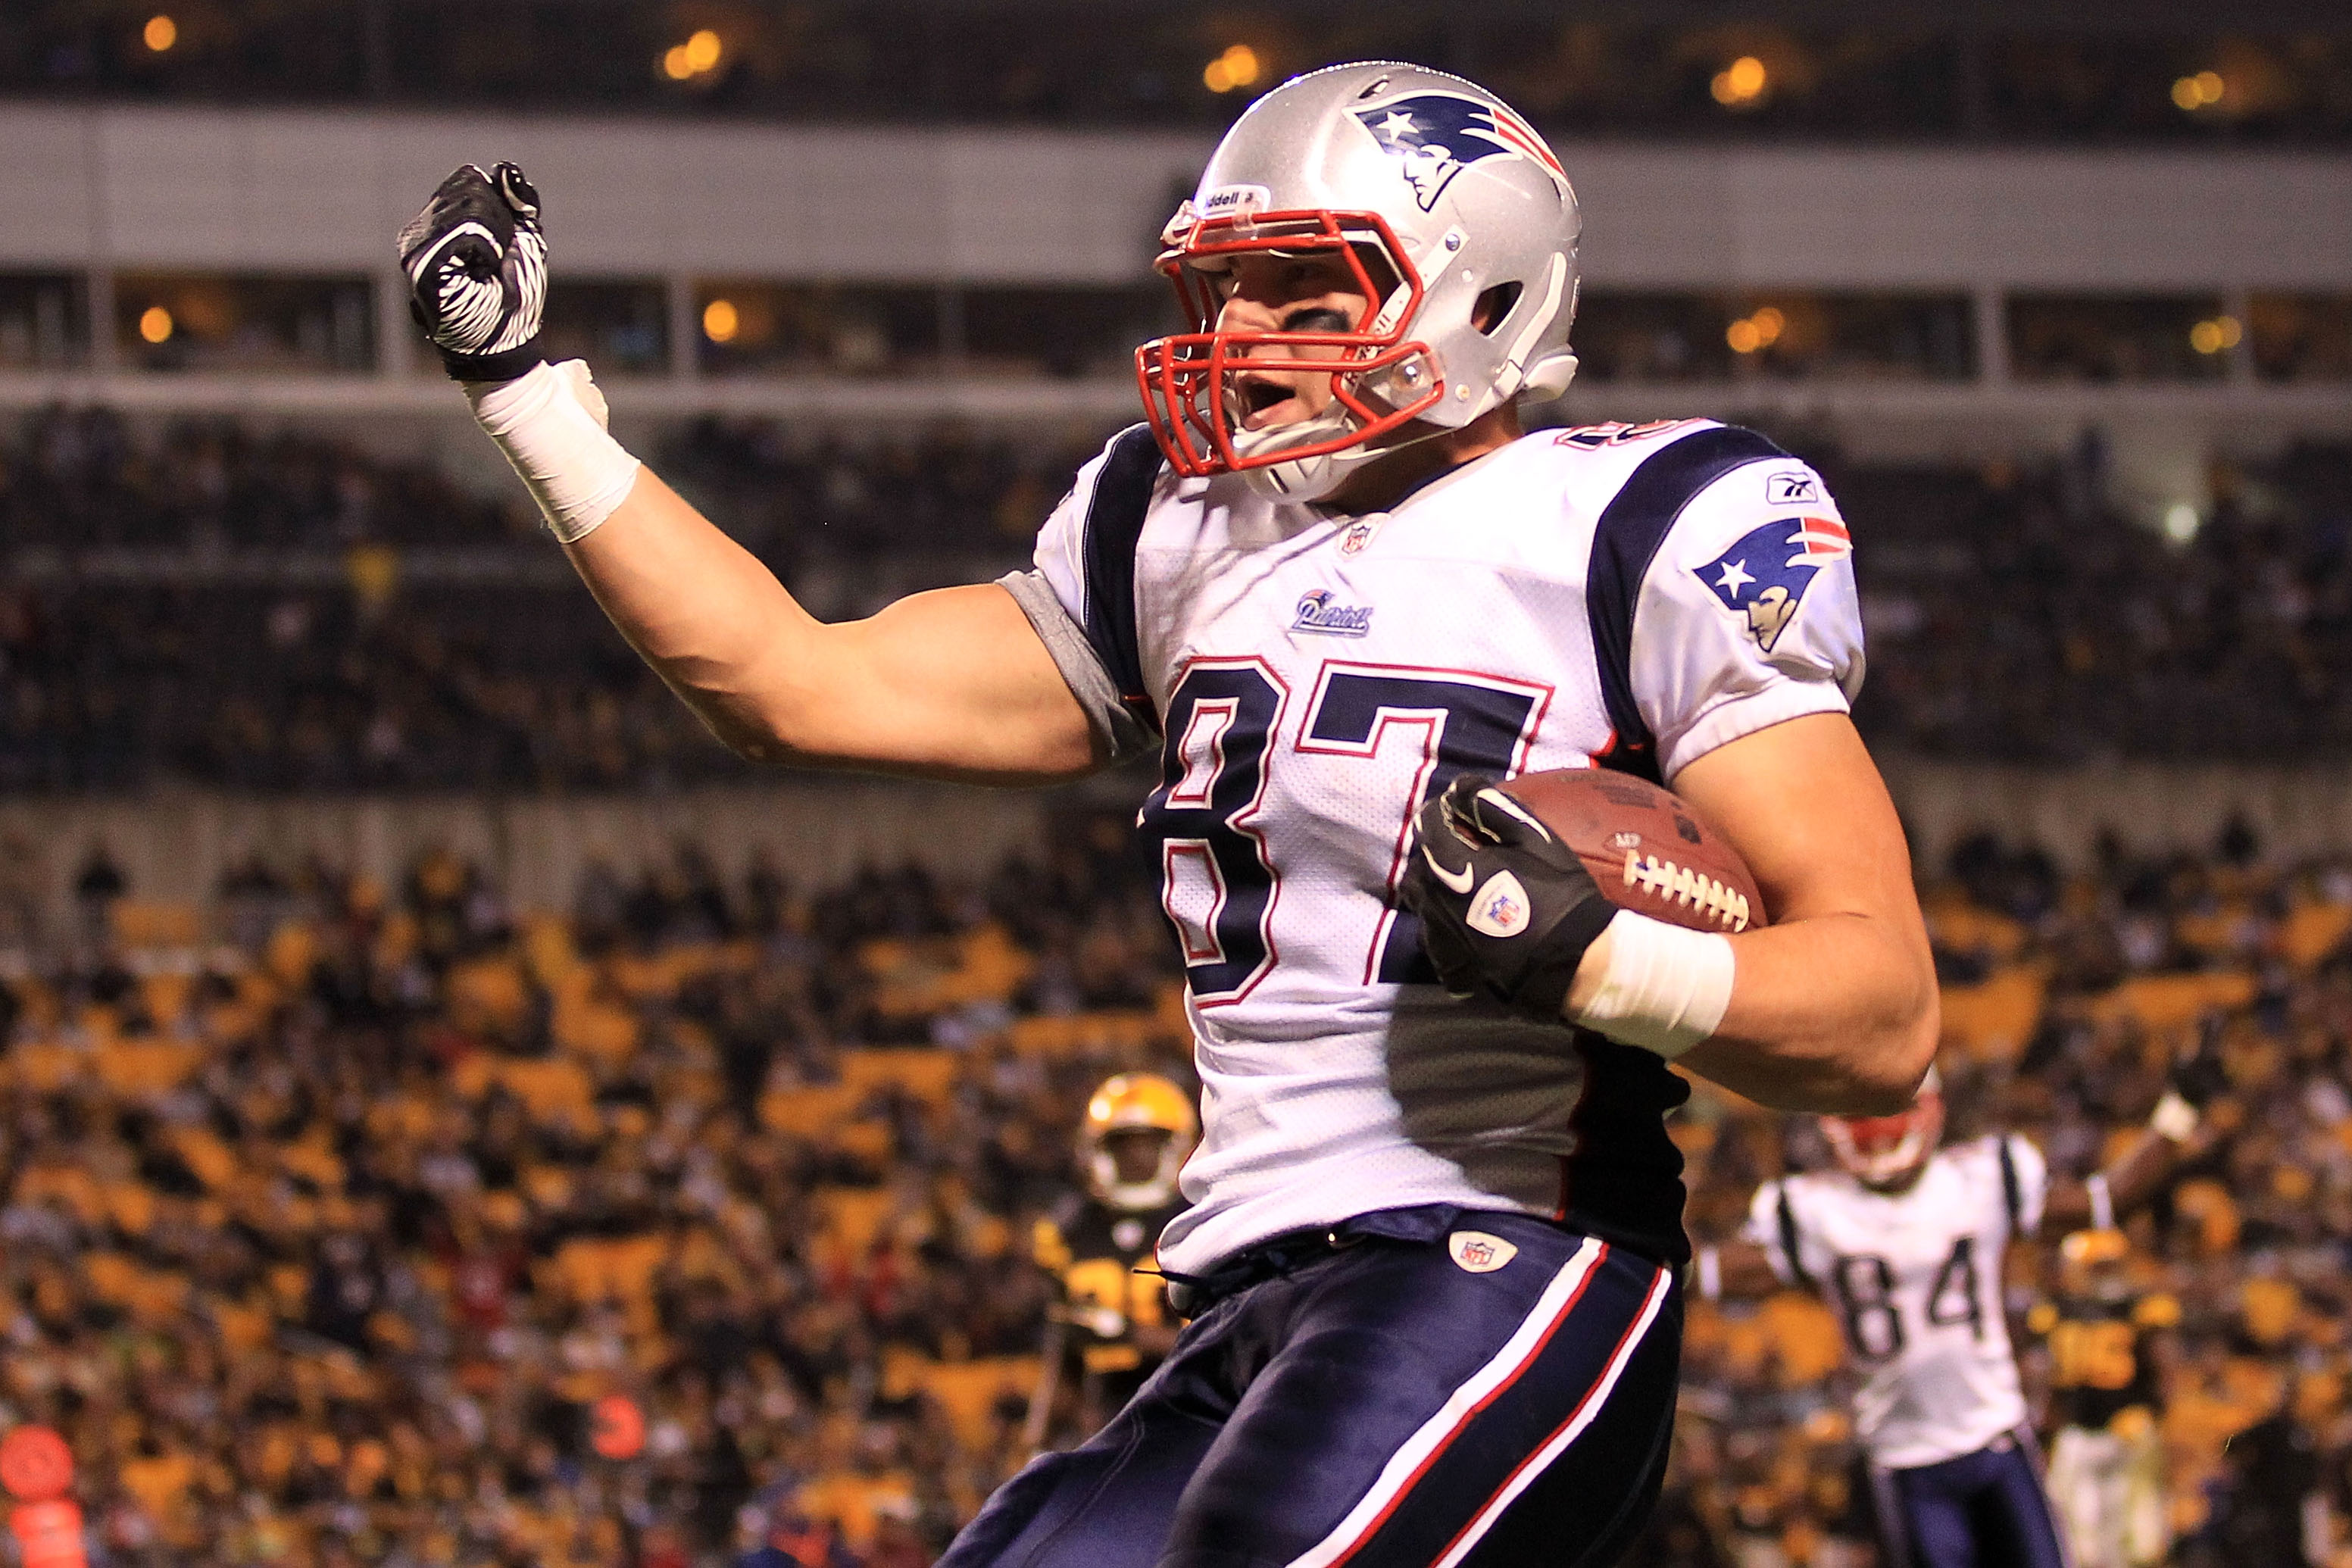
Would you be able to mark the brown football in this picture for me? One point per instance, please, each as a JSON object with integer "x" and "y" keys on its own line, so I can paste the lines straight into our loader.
{"x": 1650, "y": 852}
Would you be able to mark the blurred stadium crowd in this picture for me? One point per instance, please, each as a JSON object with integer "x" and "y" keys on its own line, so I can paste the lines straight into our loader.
{"x": 332, "y": 1211}
{"x": 370, "y": 624}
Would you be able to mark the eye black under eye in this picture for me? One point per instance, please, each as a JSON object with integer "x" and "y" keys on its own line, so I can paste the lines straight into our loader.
{"x": 1314, "y": 318}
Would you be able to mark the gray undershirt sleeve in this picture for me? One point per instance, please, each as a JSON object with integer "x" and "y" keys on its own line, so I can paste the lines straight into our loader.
{"x": 1089, "y": 682}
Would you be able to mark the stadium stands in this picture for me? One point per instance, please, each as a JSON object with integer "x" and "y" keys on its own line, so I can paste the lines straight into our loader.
{"x": 328, "y": 1211}
{"x": 378, "y": 627}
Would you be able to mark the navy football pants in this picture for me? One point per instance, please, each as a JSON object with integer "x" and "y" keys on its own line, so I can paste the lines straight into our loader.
{"x": 1985, "y": 1510}
{"x": 1378, "y": 1405}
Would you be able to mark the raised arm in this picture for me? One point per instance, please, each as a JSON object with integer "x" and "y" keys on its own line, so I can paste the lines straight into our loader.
{"x": 2189, "y": 1122}
{"x": 956, "y": 684}
{"x": 950, "y": 684}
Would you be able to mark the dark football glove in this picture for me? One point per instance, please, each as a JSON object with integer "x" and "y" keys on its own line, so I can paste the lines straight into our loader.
{"x": 1507, "y": 910}
{"x": 476, "y": 267}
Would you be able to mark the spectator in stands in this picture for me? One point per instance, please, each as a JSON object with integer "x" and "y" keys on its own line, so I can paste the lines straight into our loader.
{"x": 322, "y": 1254}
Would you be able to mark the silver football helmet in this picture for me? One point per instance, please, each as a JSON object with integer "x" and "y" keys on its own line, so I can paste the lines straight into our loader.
{"x": 1447, "y": 206}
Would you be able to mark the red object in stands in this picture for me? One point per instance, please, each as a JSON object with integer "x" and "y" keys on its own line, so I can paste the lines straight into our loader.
{"x": 48, "y": 1534}
{"x": 34, "y": 1464}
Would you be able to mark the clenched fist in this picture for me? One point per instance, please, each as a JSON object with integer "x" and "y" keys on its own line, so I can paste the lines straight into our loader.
{"x": 476, "y": 267}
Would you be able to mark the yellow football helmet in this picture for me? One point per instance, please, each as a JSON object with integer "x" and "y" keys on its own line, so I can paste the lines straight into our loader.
{"x": 2094, "y": 1249}
{"x": 1120, "y": 1118}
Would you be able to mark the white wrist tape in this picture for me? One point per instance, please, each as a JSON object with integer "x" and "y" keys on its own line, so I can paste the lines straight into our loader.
{"x": 1710, "y": 1274}
{"x": 550, "y": 425}
{"x": 2102, "y": 1200}
{"x": 1665, "y": 988}
{"x": 2173, "y": 1118}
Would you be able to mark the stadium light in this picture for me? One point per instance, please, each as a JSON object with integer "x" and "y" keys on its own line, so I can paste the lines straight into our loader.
{"x": 2210, "y": 337}
{"x": 155, "y": 324}
{"x": 1237, "y": 68}
{"x": 160, "y": 33}
{"x": 1761, "y": 331}
{"x": 1741, "y": 84}
{"x": 698, "y": 56}
{"x": 2203, "y": 91}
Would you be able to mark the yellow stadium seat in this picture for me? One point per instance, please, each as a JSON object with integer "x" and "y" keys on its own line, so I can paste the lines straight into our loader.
{"x": 212, "y": 1161}
{"x": 870, "y": 1141}
{"x": 137, "y": 1068}
{"x": 70, "y": 1188}
{"x": 968, "y": 1391}
{"x": 2162, "y": 1000}
{"x": 158, "y": 1483}
{"x": 1993, "y": 1020}
{"x": 1958, "y": 926}
{"x": 931, "y": 975}
{"x": 851, "y": 1501}
{"x": 548, "y": 950}
{"x": 2311, "y": 931}
{"x": 131, "y": 1205}
{"x": 928, "y": 1075}
{"x": 164, "y": 992}
{"x": 312, "y": 1160}
{"x": 488, "y": 996}
{"x": 584, "y": 1027}
{"x": 292, "y": 949}
{"x": 145, "y": 923}
{"x": 47, "y": 1066}
{"x": 807, "y": 1112}
{"x": 852, "y": 1216}
{"x": 1805, "y": 1333}
{"x": 1115, "y": 1032}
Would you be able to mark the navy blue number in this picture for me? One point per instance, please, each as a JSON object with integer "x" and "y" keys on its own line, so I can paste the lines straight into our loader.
{"x": 1239, "y": 949}
{"x": 1478, "y": 729}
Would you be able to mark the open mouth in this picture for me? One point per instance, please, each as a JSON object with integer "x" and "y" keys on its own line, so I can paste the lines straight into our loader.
{"x": 1258, "y": 397}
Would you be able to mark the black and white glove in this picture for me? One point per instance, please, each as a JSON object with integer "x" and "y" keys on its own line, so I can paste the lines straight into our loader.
{"x": 476, "y": 267}
{"x": 1507, "y": 910}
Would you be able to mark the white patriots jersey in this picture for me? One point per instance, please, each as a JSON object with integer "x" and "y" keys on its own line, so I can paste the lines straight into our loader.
{"x": 1915, "y": 1279}
{"x": 1660, "y": 590}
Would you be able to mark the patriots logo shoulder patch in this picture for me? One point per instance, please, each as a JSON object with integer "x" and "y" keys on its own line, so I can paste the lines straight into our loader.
{"x": 1764, "y": 576}
{"x": 1436, "y": 135}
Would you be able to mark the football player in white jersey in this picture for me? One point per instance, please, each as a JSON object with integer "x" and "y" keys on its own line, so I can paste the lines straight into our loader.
{"x": 1431, "y": 1249}
{"x": 1905, "y": 1241}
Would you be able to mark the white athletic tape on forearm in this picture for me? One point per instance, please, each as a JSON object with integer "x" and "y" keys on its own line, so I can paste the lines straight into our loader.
{"x": 1665, "y": 988}
{"x": 2174, "y": 1117}
{"x": 2102, "y": 1200}
{"x": 550, "y": 425}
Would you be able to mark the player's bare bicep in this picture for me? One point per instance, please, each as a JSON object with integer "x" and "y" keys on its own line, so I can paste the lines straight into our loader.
{"x": 1805, "y": 807}
{"x": 953, "y": 683}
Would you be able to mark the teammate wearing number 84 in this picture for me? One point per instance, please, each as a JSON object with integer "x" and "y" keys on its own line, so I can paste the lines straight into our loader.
{"x": 1430, "y": 1249}
{"x": 1907, "y": 1241}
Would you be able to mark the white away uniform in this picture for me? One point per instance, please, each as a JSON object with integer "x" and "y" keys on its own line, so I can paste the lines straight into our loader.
{"x": 1915, "y": 1278}
{"x": 1642, "y": 593}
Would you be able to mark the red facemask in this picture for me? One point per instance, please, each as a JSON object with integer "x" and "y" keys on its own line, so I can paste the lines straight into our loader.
{"x": 1884, "y": 1151}
{"x": 1187, "y": 379}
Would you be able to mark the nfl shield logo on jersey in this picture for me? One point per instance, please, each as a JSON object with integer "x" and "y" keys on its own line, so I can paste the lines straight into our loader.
{"x": 1766, "y": 573}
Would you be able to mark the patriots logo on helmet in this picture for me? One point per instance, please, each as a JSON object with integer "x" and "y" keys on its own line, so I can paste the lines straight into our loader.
{"x": 1765, "y": 574}
{"x": 1436, "y": 135}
